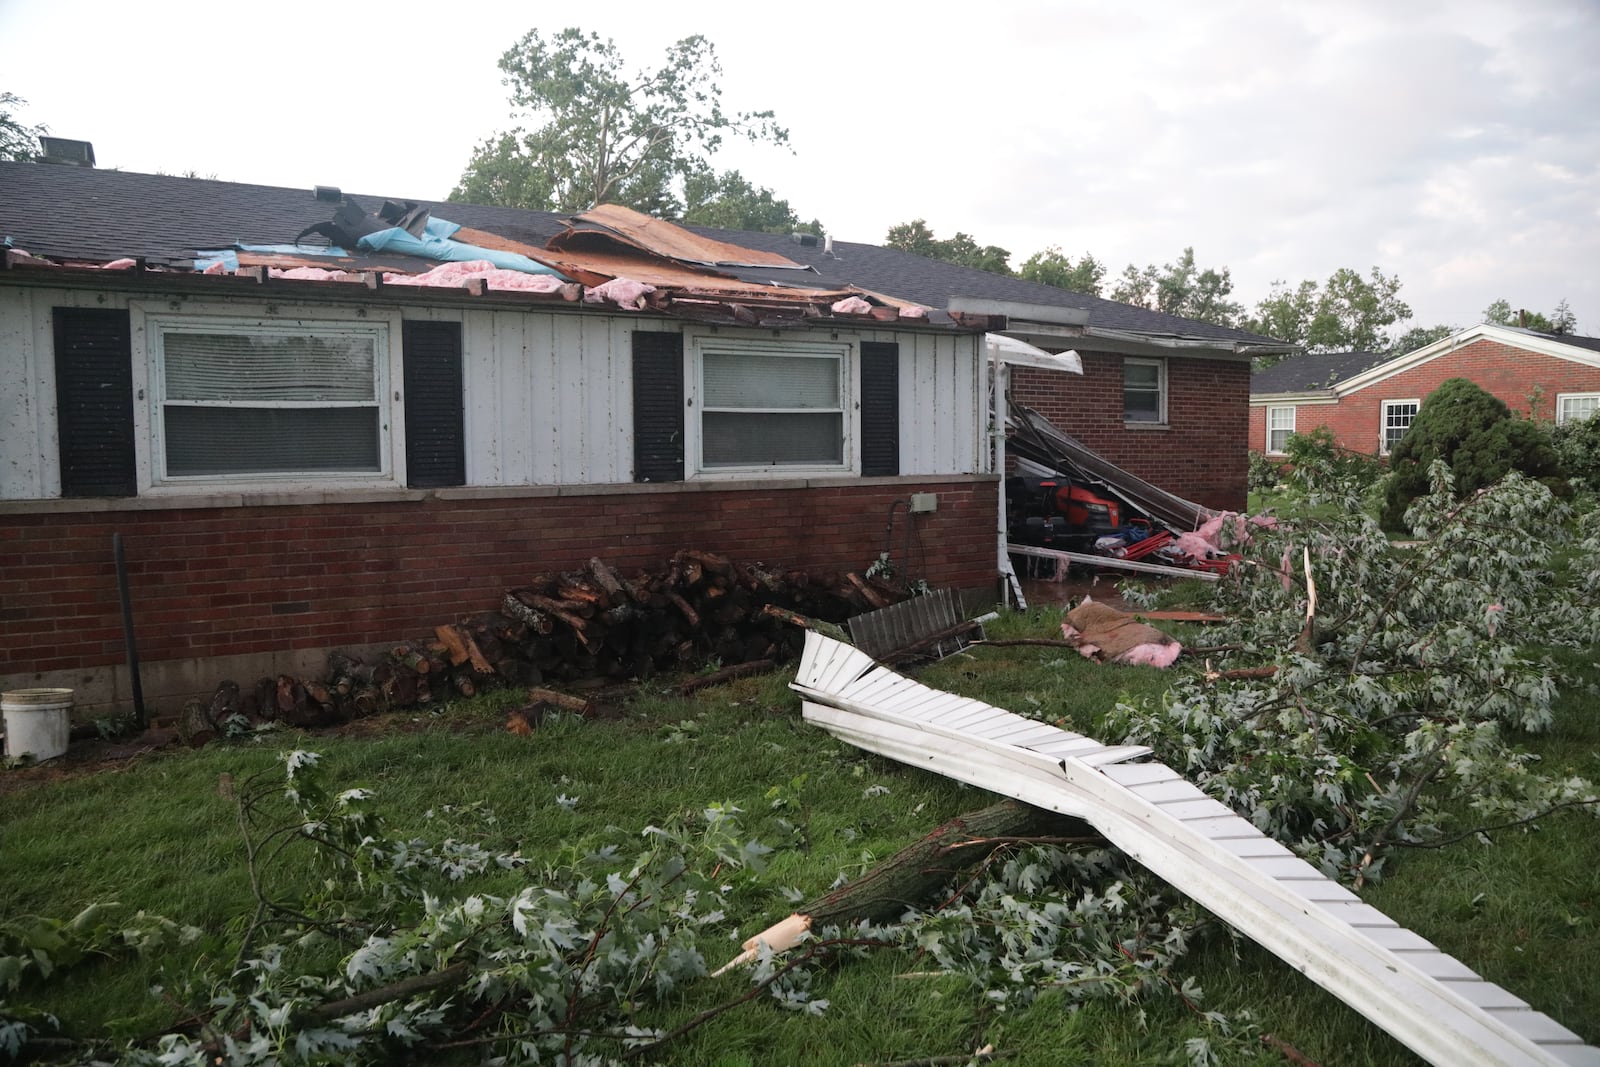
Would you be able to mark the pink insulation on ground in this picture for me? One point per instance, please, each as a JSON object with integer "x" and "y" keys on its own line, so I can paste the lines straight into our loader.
{"x": 1101, "y": 632}
{"x": 456, "y": 275}
{"x": 623, "y": 292}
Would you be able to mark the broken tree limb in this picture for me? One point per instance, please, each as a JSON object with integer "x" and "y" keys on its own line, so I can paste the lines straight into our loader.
{"x": 726, "y": 674}
{"x": 931, "y": 641}
{"x": 915, "y": 873}
{"x": 794, "y": 618}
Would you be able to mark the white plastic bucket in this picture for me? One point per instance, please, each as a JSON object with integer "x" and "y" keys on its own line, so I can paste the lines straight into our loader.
{"x": 37, "y": 722}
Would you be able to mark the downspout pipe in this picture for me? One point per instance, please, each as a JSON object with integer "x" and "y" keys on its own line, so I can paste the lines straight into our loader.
{"x": 127, "y": 630}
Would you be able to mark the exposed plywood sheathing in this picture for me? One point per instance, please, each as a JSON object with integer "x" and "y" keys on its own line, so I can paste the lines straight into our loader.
{"x": 1434, "y": 1004}
{"x": 662, "y": 238}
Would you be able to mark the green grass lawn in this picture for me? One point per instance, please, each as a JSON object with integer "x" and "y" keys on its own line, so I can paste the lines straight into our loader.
{"x": 161, "y": 834}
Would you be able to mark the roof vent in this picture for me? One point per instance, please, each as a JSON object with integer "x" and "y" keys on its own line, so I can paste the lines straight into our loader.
{"x": 64, "y": 150}
{"x": 804, "y": 240}
{"x": 328, "y": 194}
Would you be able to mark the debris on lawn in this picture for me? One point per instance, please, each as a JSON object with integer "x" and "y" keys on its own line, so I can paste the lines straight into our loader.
{"x": 1101, "y": 632}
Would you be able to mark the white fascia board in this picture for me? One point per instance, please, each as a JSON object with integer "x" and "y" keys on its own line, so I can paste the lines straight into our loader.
{"x": 1131, "y": 343}
{"x": 1013, "y": 309}
{"x": 1482, "y": 332}
{"x": 1321, "y": 396}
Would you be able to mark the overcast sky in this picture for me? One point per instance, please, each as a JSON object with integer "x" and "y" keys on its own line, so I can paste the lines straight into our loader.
{"x": 1455, "y": 144}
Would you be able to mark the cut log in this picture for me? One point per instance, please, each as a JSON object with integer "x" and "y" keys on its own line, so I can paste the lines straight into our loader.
{"x": 873, "y": 597}
{"x": 534, "y": 620}
{"x": 561, "y": 700}
{"x": 607, "y": 579}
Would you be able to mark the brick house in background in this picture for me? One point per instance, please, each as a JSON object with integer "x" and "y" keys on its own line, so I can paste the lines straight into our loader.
{"x": 304, "y": 450}
{"x": 1369, "y": 400}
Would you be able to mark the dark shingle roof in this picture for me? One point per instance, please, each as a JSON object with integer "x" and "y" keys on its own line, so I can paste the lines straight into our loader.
{"x": 1590, "y": 343}
{"x": 1313, "y": 371}
{"x": 83, "y": 213}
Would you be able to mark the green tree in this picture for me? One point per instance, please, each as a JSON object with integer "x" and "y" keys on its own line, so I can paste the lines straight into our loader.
{"x": 1560, "y": 321}
{"x": 730, "y": 202}
{"x": 916, "y": 237}
{"x": 595, "y": 134}
{"x": 1348, "y": 313}
{"x": 18, "y": 142}
{"x": 1422, "y": 336}
{"x": 1182, "y": 289}
{"x": 1053, "y": 267}
{"x": 1472, "y": 432}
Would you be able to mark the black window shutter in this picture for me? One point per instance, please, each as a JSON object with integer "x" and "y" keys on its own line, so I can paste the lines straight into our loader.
{"x": 94, "y": 401}
{"x": 436, "y": 451}
{"x": 880, "y": 408}
{"x": 657, "y": 406}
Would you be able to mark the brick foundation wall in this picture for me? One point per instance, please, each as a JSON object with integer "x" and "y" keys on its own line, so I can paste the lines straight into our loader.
{"x": 254, "y": 580}
{"x": 1199, "y": 455}
{"x": 1513, "y": 374}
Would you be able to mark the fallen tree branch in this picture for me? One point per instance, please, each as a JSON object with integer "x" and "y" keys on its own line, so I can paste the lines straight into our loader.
{"x": 726, "y": 674}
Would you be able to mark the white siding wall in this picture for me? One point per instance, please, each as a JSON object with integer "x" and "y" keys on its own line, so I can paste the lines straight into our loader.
{"x": 548, "y": 395}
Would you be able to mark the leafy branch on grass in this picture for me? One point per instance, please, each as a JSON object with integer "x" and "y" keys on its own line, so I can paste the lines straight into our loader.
{"x": 1397, "y": 723}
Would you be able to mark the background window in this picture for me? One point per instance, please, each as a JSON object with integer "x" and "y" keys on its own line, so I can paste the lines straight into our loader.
{"x": 1397, "y": 418}
{"x": 1575, "y": 407}
{"x": 763, "y": 409}
{"x": 1280, "y": 424}
{"x": 251, "y": 399}
{"x": 1144, "y": 390}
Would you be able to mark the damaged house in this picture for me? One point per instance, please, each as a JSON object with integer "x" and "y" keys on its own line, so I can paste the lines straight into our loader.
{"x": 321, "y": 421}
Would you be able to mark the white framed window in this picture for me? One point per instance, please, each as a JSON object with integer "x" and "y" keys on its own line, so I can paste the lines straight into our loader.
{"x": 264, "y": 400}
{"x": 1398, "y": 416}
{"x": 1280, "y": 424}
{"x": 1575, "y": 407}
{"x": 1144, "y": 391}
{"x": 771, "y": 407}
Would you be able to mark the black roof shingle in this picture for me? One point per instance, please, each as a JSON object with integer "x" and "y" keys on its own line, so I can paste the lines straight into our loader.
{"x": 84, "y": 213}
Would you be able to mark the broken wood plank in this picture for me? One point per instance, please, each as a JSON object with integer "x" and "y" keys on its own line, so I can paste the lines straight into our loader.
{"x": 1110, "y": 561}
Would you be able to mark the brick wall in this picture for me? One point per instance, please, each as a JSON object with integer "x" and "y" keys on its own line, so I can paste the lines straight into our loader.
{"x": 1200, "y": 455}
{"x": 210, "y": 582}
{"x": 1513, "y": 374}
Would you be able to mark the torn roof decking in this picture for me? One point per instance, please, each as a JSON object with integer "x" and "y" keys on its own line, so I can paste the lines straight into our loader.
{"x": 665, "y": 239}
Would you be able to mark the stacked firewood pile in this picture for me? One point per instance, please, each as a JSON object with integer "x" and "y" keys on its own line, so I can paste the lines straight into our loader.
{"x": 699, "y": 609}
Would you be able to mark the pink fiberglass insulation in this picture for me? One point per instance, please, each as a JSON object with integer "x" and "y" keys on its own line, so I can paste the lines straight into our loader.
{"x": 624, "y": 292}
{"x": 851, "y": 305}
{"x": 456, "y": 275}
{"x": 311, "y": 274}
{"x": 1101, "y": 632}
{"x": 913, "y": 311}
{"x": 120, "y": 264}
